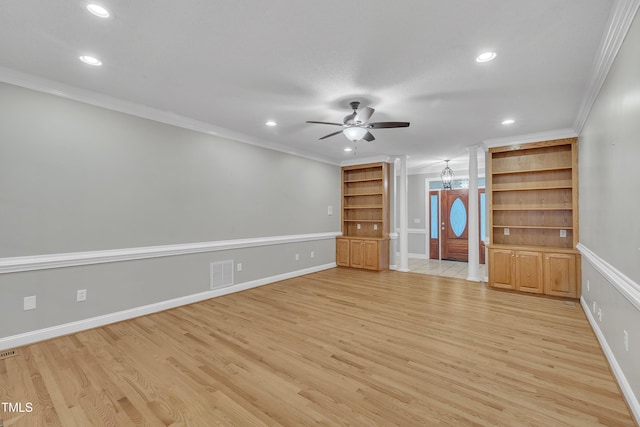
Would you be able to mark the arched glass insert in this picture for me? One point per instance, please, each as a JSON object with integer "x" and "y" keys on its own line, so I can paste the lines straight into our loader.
{"x": 458, "y": 217}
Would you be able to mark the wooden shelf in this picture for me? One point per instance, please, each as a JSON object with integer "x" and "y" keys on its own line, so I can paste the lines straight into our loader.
{"x": 531, "y": 208}
{"x": 560, "y": 187}
{"x": 365, "y": 217}
{"x": 526, "y": 171}
{"x": 533, "y": 192}
{"x": 362, "y": 194}
{"x": 534, "y": 227}
{"x": 362, "y": 180}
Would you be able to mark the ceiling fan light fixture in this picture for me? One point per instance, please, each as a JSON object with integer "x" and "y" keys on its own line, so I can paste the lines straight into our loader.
{"x": 90, "y": 60}
{"x": 486, "y": 57}
{"x": 354, "y": 133}
{"x": 97, "y": 10}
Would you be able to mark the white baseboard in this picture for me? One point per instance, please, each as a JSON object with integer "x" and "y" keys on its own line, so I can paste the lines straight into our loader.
{"x": 631, "y": 398}
{"x": 417, "y": 256}
{"x": 94, "y": 322}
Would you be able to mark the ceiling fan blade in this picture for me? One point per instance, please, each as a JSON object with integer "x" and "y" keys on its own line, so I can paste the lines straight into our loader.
{"x": 368, "y": 136}
{"x": 363, "y": 115}
{"x": 384, "y": 125}
{"x": 324, "y": 123}
{"x": 331, "y": 134}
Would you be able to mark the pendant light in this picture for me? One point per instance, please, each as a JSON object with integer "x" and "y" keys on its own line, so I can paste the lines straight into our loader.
{"x": 447, "y": 176}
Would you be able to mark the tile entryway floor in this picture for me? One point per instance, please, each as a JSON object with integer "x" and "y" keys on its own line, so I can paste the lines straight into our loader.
{"x": 434, "y": 267}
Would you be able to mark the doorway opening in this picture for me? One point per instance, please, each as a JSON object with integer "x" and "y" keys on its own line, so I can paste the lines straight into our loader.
{"x": 449, "y": 224}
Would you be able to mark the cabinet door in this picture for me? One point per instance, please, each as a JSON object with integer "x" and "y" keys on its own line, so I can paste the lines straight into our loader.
{"x": 501, "y": 268}
{"x": 356, "y": 253}
{"x": 560, "y": 275}
{"x": 371, "y": 256}
{"x": 342, "y": 252}
{"x": 529, "y": 277}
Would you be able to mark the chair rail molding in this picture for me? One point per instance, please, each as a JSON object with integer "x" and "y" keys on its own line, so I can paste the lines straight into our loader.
{"x": 43, "y": 262}
{"x": 626, "y": 286}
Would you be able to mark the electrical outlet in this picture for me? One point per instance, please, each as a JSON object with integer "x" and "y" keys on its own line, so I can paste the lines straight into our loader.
{"x": 626, "y": 341}
{"x": 313, "y": 254}
{"x": 507, "y": 232}
{"x": 30, "y": 303}
{"x": 375, "y": 226}
{"x": 600, "y": 314}
{"x": 358, "y": 226}
{"x": 81, "y": 295}
{"x": 297, "y": 257}
{"x": 329, "y": 210}
{"x": 563, "y": 233}
{"x": 239, "y": 266}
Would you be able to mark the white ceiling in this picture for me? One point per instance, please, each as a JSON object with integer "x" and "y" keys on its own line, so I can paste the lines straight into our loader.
{"x": 229, "y": 66}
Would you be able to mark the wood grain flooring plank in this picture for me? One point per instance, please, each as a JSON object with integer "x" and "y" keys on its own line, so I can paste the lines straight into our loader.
{"x": 339, "y": 347}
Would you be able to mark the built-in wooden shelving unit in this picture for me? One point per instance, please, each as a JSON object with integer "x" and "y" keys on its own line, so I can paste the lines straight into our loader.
{"x": 533, "y": 203}
{"x": 365, "y": 217}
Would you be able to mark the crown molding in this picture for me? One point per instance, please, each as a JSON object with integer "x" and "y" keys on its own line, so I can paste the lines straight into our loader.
{"x": 39, "y": 84}
{"x": 620, "y": 20}
{"x": 531, "y": 137}
{"x": 365, "y": 160}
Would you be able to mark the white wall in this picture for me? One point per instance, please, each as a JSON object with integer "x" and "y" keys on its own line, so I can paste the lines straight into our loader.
{"x": 80, "y": 179}
{"x": 609, "y": 201}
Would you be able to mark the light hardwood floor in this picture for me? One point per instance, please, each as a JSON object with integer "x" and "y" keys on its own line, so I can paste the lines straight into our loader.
{"x": 339, "y": 347}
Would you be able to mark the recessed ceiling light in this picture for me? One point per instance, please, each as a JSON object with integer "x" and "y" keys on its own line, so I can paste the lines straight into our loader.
{"x": 348, "y": 149}
{"x": 90, "y": 60}
{"x": 508, "y": 122}
{"x": 486, "y": 57}
{"x": 98, "y": 10}
{"x": 271, "y": 123}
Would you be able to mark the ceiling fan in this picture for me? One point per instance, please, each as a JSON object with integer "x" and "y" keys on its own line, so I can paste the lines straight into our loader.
{"x": 355, "y": 124}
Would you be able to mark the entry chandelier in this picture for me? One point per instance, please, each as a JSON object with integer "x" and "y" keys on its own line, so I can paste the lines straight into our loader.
{"x": 447, "y": 176}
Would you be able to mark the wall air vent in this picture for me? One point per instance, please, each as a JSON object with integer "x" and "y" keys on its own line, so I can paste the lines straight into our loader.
{"x": 221, "y": 274}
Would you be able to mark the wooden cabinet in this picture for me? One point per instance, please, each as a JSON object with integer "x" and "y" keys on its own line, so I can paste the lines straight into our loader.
{"x": 517, "y": 270}
{"x": 561, "y": 274}
{"x": 342, "y": 252}
{"x": 549, "y": 273}
{"x": 370, "y": 254}
{"x": 533, "y": 220}
{"x": 365, "y": 217}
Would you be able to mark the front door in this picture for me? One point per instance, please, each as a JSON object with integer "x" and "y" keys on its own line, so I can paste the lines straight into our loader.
{"x": 454, "y": 230}
{"x": 448, "y": 229}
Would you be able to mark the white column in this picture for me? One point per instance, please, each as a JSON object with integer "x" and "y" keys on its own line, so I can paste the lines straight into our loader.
{"x": 474, "y": 214}
{"x": 393, "y": 226}
{"x": 403, "y": 212}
